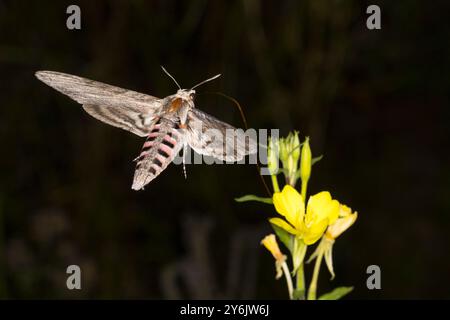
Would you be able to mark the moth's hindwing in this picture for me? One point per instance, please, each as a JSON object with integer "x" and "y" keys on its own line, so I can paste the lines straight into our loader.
{"x": 122, "y": 118}
{"x": 160, "y": 148}
{"x": 212, "y": 137}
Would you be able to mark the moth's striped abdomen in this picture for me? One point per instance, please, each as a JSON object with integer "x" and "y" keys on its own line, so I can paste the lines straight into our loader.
{"x": 160, "y": 148}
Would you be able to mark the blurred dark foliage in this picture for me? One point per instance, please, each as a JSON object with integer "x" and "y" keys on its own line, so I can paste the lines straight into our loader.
{"x": 375, "y": 103}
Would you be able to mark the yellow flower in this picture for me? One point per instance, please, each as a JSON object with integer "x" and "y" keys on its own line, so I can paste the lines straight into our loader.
{"x": 321, "y": 211}
{"x": 271, "y": 244}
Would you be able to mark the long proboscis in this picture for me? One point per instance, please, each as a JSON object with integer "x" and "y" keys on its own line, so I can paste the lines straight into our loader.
{"x": 244, "y": 120}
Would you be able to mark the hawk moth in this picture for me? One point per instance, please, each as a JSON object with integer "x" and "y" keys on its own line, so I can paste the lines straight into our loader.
{"x": 169, "y": 124}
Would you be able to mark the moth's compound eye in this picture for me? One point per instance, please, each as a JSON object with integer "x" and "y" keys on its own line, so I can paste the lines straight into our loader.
{"x": 192, "y": 96}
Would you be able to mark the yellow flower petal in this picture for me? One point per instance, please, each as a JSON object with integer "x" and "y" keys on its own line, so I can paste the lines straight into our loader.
{"x": 284, "y": 225}
{"x": 289, "y": 203}
{"x": 333, "y": 212}
{"x": 313, "y": 233}
{"x": 344, "y": 211}
{"x": 321, "y": 206}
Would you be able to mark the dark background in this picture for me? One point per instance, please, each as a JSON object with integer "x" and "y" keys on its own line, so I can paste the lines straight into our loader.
{"x": 375, "y": 103}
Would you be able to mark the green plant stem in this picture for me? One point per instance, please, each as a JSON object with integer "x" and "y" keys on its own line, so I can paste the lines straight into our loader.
{"x": 313, "y": 286}
{"x": 287, "y": 274}
{"x": 276, "y": 188}
{"x": 301, "y": 282}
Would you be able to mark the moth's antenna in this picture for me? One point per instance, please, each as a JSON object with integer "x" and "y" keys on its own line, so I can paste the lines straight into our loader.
{"x": 166, "y": 72}
{"x": 210, "y": 79}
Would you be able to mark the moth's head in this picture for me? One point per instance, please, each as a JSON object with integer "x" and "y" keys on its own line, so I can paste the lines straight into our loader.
{"x": 186, "y": 94}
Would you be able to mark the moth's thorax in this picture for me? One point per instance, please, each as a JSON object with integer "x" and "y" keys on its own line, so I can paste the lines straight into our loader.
{"x": 187, "y": 95}
{"x": 180, "y": 103}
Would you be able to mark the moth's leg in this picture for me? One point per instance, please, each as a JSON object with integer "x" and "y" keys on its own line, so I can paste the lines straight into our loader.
{"x": 183, "y": 114}
{"x": 148, "y": 120}
{"x": 184, "y": 157}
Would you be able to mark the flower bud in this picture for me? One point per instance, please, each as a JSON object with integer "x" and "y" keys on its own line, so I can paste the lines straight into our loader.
{"x": 295, "y": 147}
{"x": 289, "y": 155}
{"x": 284, "y": 153}
{"x": 272, "y": 156}
{"x": 305, "y": 161}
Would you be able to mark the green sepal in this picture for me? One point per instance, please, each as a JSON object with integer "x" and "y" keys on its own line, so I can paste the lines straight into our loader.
{"x": 336, "y": 294}
{"x": 251, "y": 197}
{"x": 285, "y": 237}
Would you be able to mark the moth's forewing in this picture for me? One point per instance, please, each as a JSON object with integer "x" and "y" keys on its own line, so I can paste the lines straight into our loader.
{"x": 126, "y": 109}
